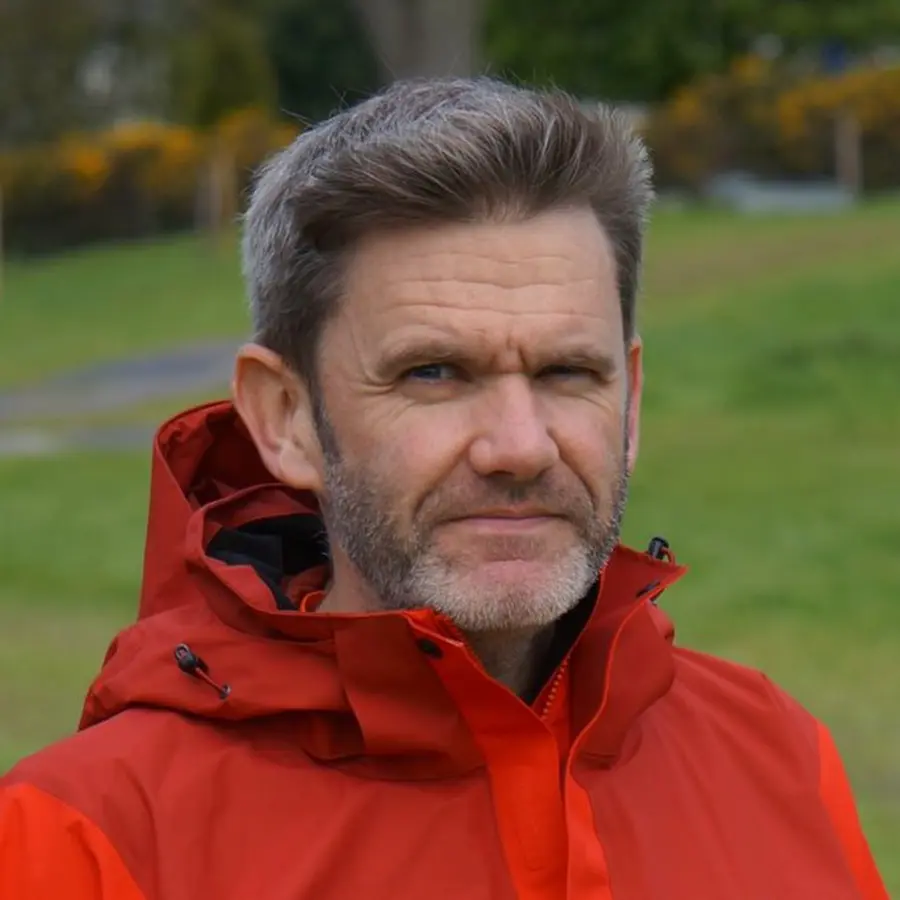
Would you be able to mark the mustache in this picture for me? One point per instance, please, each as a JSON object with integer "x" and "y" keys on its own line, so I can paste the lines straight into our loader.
{"x": 553, "y": 499}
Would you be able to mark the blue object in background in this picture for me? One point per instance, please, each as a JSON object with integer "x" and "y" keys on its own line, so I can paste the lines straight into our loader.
{"x": 835, "y": 56}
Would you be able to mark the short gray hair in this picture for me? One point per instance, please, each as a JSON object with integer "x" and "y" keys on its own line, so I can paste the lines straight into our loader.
{"x": 426, "y": 151}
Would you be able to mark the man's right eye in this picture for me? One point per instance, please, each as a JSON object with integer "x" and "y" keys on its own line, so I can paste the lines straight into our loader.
{"x": 433, "y": 372}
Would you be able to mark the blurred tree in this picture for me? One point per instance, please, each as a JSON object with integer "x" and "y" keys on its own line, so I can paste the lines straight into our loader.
{"x": 644, "y": 49}
{"x": 802, "y": 24}
{"x": 425, "y": 37}
{"x": 635, "y": 51}
{"x": 220, "y": 62}
{"x": 129, "y": 67}
{"x": 43, "y": 46}
{"x": 320, "y": 54}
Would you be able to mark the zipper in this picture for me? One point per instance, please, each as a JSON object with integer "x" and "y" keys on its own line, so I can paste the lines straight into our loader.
{"x": 553, "y": 690}
{"x": 452, "y": 633}
{"x": 659, "y": 549}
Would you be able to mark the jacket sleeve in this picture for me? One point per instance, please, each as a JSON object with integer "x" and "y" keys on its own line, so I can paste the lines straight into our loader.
{"x": 838, "y": 798}
{"x": 50, "y": 850}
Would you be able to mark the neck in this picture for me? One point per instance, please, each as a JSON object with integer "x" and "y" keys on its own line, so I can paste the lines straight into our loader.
{"x": 512, "y": 657}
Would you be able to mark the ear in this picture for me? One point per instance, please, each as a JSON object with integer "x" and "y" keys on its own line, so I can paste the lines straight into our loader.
{"x": 635, "y": 365}
{"x": 276, "y": 407}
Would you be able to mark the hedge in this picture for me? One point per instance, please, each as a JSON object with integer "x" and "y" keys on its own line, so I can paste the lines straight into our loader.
{"x": 143, "y": 178}
{"x": 135, "y": 180}
{"x": 763, "y": 119}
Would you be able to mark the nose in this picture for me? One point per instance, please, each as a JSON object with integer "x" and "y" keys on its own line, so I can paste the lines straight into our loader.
{"x": 513, "y": 438}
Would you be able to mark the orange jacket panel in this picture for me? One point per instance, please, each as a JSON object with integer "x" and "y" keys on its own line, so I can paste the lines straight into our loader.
{"x": 49, "y": 851}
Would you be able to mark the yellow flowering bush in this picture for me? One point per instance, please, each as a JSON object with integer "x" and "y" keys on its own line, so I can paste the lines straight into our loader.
{"x": 136, "y": 179}
{"x": 715, "y": 124}
{"x": 86, "y": 164}
{"x": 807, "y": 113}
{"x": 760, "y": 118}
{"x": 164, "y": 159}
{"x": 250, "y": 135}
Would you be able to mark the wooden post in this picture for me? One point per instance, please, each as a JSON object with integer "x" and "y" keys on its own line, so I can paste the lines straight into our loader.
{"x": 221, "y": 196}
{"x": 848, "y": 162}
{"x": 228, "y": 169}
{"x": 201, "y": 201}
{"x": 2, "y": 247}
{"x": 214, "y": 198}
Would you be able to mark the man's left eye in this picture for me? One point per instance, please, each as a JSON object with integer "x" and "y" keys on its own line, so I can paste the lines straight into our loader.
{"x": 567, "y": 372}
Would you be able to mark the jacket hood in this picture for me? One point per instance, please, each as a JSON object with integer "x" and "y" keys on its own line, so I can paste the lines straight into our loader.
{"x": 219, "y": 637}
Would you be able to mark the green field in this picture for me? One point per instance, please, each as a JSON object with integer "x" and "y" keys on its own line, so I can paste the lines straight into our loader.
{"x": 770, "y": 458}
{"x": 103, "y": 303}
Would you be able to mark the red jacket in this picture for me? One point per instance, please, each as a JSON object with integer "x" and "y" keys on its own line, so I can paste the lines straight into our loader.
{"x": 236, "y": 747}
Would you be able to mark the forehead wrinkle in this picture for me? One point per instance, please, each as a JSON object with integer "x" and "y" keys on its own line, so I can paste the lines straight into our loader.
{"x": 489, "y": 309}
{"x": 469, "y": 296}
{"x": 512, "y": 277}
{"x": 521, "y": 270}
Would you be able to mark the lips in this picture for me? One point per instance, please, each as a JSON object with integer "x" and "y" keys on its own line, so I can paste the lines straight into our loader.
{"x": 528, "y": 512}
{"x": 494, "y": 524}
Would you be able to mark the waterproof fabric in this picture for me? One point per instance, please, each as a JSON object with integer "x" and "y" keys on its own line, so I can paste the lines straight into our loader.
{"x": 238, "y": 745}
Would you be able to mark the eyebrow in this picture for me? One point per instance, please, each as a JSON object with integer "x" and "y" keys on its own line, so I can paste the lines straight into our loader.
{"x": 402, "y": 357}
{"x": 600, "y": 361}
{"x": 425, "y": 351}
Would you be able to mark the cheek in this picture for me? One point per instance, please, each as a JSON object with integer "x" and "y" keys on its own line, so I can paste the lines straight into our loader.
{"x": 591, "y": 441}
{"x": 415, "y": 449}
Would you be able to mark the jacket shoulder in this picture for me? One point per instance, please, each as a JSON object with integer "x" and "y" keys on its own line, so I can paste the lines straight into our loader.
{"x": 719, "y": 678}
{"x": 77, "y": 767}
{"x": 49, "y": 849}
{"x": 96, "y": 788}
{"x": 743, "y": 710}
{"x": 746, "y": 702}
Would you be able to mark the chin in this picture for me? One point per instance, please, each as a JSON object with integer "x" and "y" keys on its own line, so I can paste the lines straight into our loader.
{"x": 510, "y": 594}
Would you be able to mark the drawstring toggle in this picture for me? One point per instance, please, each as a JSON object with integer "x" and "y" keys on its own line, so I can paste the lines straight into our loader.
{"x": 193, "y": 665}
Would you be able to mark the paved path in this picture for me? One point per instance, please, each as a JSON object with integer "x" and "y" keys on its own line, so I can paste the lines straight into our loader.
{"x": 106, "y": 388}
{"x": 20, "y": 442}
{"x": 116, "y": 385}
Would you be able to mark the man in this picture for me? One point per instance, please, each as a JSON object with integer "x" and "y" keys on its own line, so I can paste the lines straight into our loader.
{"x": 389, "y": 645}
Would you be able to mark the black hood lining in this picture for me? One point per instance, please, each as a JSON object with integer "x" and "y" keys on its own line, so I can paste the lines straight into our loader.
{"x": 276, "y": 548}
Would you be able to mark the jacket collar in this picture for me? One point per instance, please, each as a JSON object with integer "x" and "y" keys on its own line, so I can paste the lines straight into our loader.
{"x": 388, "y": 694}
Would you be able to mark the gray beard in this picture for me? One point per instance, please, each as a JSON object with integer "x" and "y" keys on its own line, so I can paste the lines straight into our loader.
{"x": 404, "y": 571}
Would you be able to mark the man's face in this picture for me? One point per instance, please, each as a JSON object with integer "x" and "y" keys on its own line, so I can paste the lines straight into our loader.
{"x": 474, "y": 418}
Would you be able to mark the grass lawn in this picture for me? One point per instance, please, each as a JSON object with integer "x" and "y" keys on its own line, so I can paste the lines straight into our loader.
{"x": 770, "y": 458}
{"x": 104, "y": 303}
